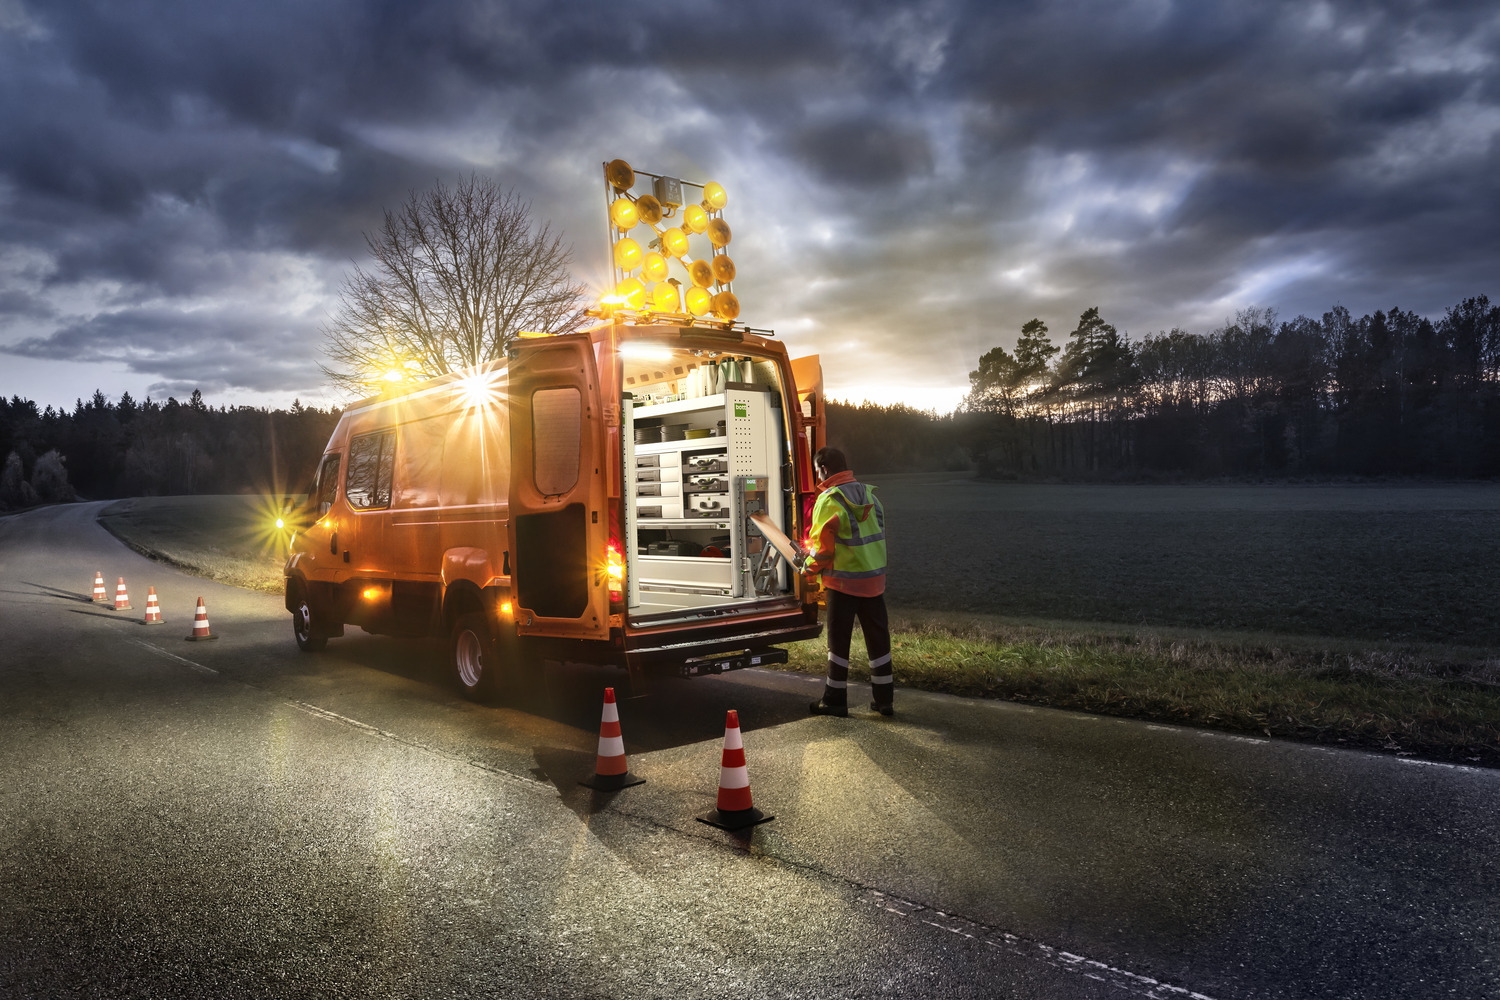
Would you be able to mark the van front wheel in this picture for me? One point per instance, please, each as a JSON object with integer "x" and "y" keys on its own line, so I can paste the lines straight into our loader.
{"x": 304, "y": 628}
{"x": 475, "y": 656}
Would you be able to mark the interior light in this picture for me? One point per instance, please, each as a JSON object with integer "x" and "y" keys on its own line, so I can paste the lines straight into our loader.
{"x": 632, "y": 291}
{"x": 718, "y": 233}
{"x": 645, "y": 352}
{"x": 694, "y": 218}
{"x": 698, "y": 301}
{"x": 505, "y": 608}
{"x": 619, "y": 175}
{"x": 664, "y": 297}
{"x": 623, "y": 214}
{"x": 655, "y": 267}
{"x": 714, "y": 197}
{"x": 723, "y": 269}
{"x": 371, "y": 593}
{"x": 648, "y": 209}
{"x": 726, "y": 306}
{"x": 701, "y": 273}
{"x": 675, "y": 242}
{"x": 627, "y": 254}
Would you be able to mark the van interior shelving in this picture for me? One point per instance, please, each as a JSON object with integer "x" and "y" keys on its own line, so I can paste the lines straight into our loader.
{"x": 705, "y": 445}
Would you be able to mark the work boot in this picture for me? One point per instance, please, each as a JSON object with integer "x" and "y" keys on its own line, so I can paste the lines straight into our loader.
{"x": 883, "y": 709}
{"x": 822, "y": 708}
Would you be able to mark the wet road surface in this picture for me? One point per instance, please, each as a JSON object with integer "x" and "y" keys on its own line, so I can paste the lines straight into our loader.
{"x": 238, "y": 818}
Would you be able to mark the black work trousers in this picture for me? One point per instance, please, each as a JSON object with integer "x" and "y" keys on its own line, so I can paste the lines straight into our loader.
{"x": 842, "y": 610}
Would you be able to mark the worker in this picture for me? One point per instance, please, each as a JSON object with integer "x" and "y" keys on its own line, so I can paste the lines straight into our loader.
{"x": 846, "y": 550}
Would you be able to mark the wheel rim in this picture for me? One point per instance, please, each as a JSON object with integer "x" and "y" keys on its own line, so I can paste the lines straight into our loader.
{"x": 303, "y": 621}
{"x": 468, "y": 655}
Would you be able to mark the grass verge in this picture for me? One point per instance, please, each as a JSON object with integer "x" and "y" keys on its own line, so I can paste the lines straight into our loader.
{"x": 1436, "y": 702}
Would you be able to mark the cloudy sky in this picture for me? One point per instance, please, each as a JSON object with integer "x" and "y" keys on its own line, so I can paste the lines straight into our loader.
{"x": 184, "y": 185}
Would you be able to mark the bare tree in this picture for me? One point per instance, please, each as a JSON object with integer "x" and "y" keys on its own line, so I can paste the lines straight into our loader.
{"x": 457, "y": 274}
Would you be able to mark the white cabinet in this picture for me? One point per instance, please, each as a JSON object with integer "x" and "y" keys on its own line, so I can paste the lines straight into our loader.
{"x": 687, "y": 541}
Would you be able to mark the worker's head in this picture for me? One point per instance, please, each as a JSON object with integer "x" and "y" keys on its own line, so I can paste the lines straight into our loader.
{"x": 829, "y": 462}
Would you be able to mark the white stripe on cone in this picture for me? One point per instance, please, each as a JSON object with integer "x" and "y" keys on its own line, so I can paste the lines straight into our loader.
{"x": 734, "y": 777}
{"x": 611, "y": 746}
{"x": 732, "y": 739}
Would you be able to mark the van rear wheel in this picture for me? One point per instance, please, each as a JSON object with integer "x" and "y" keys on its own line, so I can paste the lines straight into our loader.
{"x": 475, "y": 656}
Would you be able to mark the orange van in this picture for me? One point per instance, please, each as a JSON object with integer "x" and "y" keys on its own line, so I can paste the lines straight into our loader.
{"x": 587, "y": 499}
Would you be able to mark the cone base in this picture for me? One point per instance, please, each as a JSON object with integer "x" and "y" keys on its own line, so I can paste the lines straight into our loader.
{"x": 735, "y": 819}
{"x": 199, "y": 638}
{"x": 122, "y": 607}
{"x": 155, "y": 621}
{"x": 611, "y": 782}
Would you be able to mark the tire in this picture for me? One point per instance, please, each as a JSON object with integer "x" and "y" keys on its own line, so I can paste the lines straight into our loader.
{"x": 474, "y": 657}
{"x": 305, "y": 623}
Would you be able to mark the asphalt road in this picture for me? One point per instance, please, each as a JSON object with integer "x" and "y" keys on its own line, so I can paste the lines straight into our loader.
{"x": 236, "y": 818}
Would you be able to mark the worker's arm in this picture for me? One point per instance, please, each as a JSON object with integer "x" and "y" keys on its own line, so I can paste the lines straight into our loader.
{"x": 821, "y": 540}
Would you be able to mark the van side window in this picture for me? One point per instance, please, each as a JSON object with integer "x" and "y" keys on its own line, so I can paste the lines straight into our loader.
{"x": 556, "y": 439}
{"x": 328, "y": 483}
{"x": 372, "y": 457}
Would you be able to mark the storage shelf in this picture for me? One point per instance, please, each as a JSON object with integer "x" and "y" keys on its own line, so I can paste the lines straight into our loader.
{"x": 713, "y": 402}
{"x": 679, "y": 522}
{"x": 682, "y": 444}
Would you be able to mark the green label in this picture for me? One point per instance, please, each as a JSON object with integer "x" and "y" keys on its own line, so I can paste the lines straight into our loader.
{"x": 741, "y": 409}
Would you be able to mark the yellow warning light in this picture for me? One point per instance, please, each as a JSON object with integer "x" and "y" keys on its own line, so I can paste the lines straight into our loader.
{"x": 723, "y": 269}
{"x": 623, "y": 214}
{"x": 714, "y": 197}
{"x": 505, "y": 608}
{"x": 674, "y": 242}
{"x": 718, "y": 233}
{"x": 619, "y": 175}
{"x": 280, "y": 523}
{"x": 371, "y": 593}
{"x": 698, "y": 301}
{"x": 654, "y": 267}
{"x": 694, "y": 219}
{"x": 632, "y": 291}
{"x": 648, "y": 209}
{"x": 701, "y": 273}
{"x": 726, "y": 306}
{"x": 664, "y": 297}
{"x": 627, "y": 254}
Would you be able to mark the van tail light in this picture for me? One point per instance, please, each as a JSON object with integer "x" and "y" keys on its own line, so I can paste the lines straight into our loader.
{"x": 615, "y": 568}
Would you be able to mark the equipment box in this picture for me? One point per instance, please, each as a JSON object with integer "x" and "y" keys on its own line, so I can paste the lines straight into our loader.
{"x": 706, "y": 505}
{"x": 658, "y": 507}
{"x": 705, "y": 484}
{"x": 659, "y": 474}
{"x": 710, "y": 461}
{"x": 658, "y": 489}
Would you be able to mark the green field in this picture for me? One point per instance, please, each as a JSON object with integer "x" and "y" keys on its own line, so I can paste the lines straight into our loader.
{"x": 1356, "y": 615}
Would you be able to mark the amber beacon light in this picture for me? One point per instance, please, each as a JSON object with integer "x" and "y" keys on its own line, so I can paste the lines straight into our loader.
{"x": 659, "y": 225}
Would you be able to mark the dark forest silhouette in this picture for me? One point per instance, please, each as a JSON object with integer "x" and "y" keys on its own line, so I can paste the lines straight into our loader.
{"x": 150, "y": 449}
{"x": 1387, "y": 394}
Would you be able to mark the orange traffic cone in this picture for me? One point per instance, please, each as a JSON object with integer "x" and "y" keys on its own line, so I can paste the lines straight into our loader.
{"x": 734, "y": 811}
{"x": 200, "y": 624}
{"x": 100, "y": 597}
{"x": 610, "y": 770}
{"x": 153, "y": 610}
{"x": 122, "y": 599}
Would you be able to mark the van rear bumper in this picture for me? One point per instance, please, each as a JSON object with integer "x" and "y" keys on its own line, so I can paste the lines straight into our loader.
{"x": 678, "y": 647}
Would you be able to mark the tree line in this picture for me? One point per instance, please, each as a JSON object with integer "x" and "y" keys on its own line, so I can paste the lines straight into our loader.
{"x": 104, "y": 449}
{"x": 1389, "y": 393}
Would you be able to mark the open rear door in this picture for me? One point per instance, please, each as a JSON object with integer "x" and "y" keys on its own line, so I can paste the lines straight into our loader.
{"x": 558, "y": 519}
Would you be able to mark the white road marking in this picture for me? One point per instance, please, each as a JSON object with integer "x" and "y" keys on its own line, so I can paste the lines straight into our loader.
{"x": 1439, "y": 763}
{"x": 173, "y": 656}
{"x": 1122, "y": 979}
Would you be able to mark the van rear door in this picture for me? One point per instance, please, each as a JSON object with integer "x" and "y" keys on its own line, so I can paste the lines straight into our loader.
{"x": 559, "y": 523}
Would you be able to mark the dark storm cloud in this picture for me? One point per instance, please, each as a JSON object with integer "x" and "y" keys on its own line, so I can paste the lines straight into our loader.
{"x": 943, "y": 170}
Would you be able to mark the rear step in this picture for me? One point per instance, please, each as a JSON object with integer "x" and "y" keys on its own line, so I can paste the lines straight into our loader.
{"x": 738, "y": 661}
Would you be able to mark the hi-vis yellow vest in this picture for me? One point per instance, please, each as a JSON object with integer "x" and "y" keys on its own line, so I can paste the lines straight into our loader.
{"x": 860, "y": 552}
